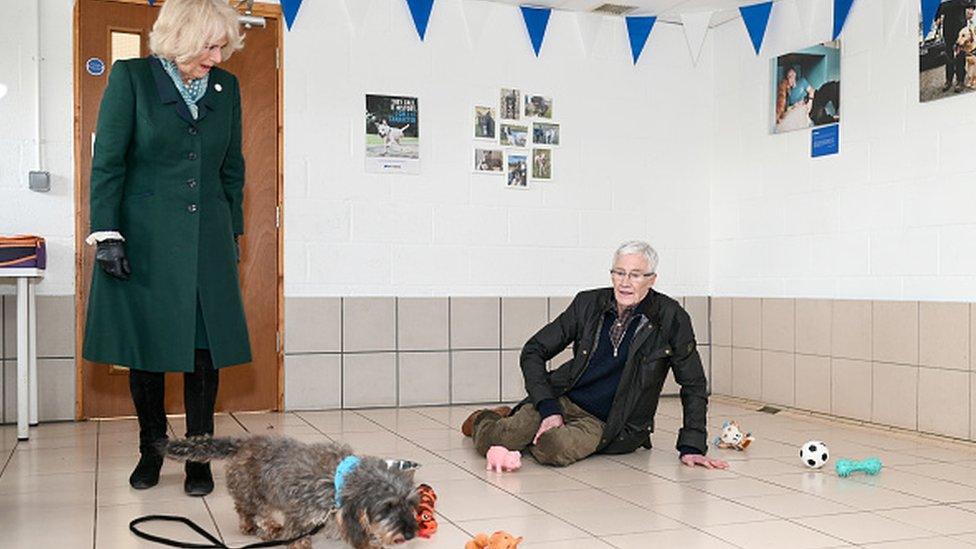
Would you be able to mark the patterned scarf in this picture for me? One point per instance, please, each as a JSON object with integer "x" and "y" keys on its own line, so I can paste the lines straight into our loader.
{"x": 192, "y": 92}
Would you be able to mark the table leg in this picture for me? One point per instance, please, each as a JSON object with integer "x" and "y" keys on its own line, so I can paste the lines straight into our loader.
{"x": 23, "y": 361}
{"x": 32, "y": 350}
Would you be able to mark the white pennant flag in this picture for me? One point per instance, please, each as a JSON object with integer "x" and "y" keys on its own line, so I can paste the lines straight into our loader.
{"x": 806, "y": 11}
{"x": 696, "y": 27}
{"x": 894, "y": 14}
{"x": 590, "y": 25}
{"x": 357, "y": 10}
{"x": 476, "y": 15}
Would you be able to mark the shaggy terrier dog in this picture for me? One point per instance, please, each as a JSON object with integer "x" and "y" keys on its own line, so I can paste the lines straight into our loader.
{"x": 283, "y": 489}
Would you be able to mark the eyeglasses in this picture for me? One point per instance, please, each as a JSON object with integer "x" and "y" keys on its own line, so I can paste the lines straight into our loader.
{"x": 634, "y": 277}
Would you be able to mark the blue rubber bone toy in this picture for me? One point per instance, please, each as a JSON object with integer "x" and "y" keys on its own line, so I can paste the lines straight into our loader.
{"x": 845, "y": 467}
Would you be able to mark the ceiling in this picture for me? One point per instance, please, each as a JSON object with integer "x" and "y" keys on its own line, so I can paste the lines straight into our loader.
{"x": 666, "y": 10}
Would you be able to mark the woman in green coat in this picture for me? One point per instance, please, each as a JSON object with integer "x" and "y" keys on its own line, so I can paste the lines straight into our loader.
{"x": 166, "y": 209}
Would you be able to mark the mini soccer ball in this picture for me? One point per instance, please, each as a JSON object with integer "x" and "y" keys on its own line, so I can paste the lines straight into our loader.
{"x": 814, "y": 454}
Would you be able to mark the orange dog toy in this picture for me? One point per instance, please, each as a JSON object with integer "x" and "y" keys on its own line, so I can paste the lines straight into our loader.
{"x": 426, "y": 521}
{"x": 498, "y": 540}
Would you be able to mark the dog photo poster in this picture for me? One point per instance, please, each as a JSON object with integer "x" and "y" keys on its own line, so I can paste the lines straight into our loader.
{"x": 947, "y": 54}
{"x": 542, "y": 164}
{"x": 518, "y": 171}
{"x": 806, "y": 88}
{"x": 488, "y": 161}
{"x": 392, "y": 134}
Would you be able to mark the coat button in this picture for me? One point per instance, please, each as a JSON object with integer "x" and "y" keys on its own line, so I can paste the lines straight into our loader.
{"x": 192, "y": 183}
{"x": 192, "y": 208}
{"x": 193, "y": 131}
{"x": 192, "y": 156}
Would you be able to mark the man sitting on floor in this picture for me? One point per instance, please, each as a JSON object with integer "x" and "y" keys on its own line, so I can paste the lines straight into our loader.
{"x": 625, "y": 339}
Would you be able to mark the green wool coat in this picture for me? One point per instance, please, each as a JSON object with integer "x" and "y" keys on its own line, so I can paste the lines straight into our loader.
{"x": 173, "y": 186}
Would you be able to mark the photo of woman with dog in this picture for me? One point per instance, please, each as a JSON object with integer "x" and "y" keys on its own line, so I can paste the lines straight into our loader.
{"x": 167, "y": 184}
{"x": 947, "y": 54}
{"x": 806, "y": 88}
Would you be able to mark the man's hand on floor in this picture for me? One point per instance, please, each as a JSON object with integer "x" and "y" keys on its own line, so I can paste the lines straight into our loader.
{"x": 692, "y": 460}
{"x": 550, "y": 422}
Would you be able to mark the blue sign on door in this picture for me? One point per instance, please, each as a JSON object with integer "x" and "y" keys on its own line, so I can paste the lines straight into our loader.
{"x": 825, "y": 140}
{"x": 95, "y": 66}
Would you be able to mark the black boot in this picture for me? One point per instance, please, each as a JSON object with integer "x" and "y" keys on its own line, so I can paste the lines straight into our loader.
{"x": 147, "y": 389}
{"x": 199, "y": 396}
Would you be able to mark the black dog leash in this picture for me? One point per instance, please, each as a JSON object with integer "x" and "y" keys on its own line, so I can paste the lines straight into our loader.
{"x": 214, "y": 542}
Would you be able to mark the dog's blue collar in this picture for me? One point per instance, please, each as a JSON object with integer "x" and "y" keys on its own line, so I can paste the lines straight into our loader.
{"x": 345, "y": 467}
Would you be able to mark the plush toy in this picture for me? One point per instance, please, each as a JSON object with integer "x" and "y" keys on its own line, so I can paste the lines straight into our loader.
{"x": 502, "y": 459}
{"x": 732, "y": 437}
{"x": 845, "y": 467}
{"x": 498, "y": 540}
{"x": 426, "y": 521}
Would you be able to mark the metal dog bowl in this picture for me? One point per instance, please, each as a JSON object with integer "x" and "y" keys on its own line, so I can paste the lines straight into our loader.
{"x": 401, "y": 464}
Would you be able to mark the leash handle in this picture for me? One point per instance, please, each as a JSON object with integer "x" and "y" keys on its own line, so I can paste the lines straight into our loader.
{"x": 214, "y": 542}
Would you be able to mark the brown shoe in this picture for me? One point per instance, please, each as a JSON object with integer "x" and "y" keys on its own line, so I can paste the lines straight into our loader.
{"x": 467, "y": 428}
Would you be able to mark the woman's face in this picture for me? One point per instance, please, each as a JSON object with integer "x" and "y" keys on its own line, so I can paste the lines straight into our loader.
{"x": 200, "y": 66}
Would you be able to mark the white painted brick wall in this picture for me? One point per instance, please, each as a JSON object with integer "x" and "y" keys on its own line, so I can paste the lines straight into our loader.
{"x": 21, "y": 210}
{"x": 632, "y": 164}
{"x": 890, "y": 217}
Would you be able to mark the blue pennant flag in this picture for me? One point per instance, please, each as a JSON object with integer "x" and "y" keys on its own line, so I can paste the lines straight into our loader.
{"x": 639, "y": 28}
{"x": 152, "y": 2}
{"x": 420, "y": 11}
{"x": 536, "y": 21}
{"x": 842, "y": 8}
{"x": 290, "y": 9}
{"x": 929, "y": 9}
{"x": 756, "y": 17}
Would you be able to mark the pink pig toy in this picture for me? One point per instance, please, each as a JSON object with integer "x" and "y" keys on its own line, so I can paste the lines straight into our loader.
{"x": 500, "y": 459}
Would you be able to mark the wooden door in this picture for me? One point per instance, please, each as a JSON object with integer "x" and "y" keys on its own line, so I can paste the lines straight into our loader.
{"x": 117, "y": 29}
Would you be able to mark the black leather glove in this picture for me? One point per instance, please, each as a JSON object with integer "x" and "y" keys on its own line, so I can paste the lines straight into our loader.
{"x": 110, "y": 255}
{"x": 237, "y": 245}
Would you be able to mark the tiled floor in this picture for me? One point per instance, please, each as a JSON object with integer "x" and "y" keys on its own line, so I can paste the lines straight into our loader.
{"x": 67, "y": 487}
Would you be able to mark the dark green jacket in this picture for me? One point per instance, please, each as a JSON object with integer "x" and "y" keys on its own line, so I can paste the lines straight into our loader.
{"x": 665, "y": 342}
{"x": 173, "y": 187}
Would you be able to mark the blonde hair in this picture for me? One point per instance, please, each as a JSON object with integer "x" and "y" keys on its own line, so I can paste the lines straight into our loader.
{"x": 185, "y": 28}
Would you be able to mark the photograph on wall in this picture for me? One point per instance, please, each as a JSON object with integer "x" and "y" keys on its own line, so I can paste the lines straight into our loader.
{"x": 509, "y": 106}
{"x": 484, "y": 123}
{"x": 538, "y": 106}
{"x": 806, "y": 88}
{"x": 947, "y": 54}
{"x": 518, "y": 170}
{"x": 544, "y": 133}
{"x": 542, "y": 164}
{"x": 392, "y": 134}
{"x": 489, "y": 161}
{"x": 513, "y": 135}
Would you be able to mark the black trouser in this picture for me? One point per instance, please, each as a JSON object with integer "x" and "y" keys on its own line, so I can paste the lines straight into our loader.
{"x": 955, "y": 64}
{"x": 199, "y": 395}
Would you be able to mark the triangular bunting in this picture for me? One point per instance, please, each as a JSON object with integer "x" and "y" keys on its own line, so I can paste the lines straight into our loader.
{"x": 476, "y": 15}
{"x": 806, "y": 12}
{"x": 756, "y": 17}
{"x": 842, "y": 8}
{"x": 590, "y": 25}
{"x": 638, "y": 29}
{"x": 152, "y": 2}
{"x": 357, "y": 10}
{"x": 420, "y": 11}
{"x": 536, "y": 22}
{"x": 929, "y": 9}
{"x": 696, "y": 27}
{"x": 289, "y": 8}
{"x": 894, "y": 13}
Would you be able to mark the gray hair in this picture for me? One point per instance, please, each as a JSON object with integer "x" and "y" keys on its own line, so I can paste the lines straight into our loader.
{"x": 638, "y": 247}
